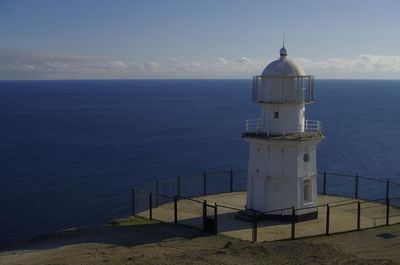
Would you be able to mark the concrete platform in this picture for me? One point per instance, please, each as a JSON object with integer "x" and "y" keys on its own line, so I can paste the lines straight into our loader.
{"x": 343, "y": 216}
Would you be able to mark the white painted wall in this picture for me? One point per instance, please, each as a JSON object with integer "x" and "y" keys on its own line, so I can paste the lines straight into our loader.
{"x": 277, "y": 169}
{"x": 291, "y": 118}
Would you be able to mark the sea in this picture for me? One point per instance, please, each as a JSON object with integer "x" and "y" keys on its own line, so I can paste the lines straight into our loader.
{"x": 71, "y": 150}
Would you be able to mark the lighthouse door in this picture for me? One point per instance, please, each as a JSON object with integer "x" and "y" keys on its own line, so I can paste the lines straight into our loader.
{"x": 258, "y": 194}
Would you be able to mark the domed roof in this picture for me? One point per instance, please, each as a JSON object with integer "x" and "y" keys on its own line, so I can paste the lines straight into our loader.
{"x": 282, "y": 66}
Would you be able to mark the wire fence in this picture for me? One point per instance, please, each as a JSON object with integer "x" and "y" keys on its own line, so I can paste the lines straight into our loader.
{"x": 360, "y": 202}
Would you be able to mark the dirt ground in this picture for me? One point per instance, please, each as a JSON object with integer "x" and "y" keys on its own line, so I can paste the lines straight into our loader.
{"x": 136, "y": 241}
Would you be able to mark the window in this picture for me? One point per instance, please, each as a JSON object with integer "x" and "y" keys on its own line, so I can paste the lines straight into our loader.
{"x": 307, "y": 190}
{"x": 276, "y": 115}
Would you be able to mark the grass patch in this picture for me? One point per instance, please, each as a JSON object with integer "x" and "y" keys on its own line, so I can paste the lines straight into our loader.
{"x": 131, "y": 221}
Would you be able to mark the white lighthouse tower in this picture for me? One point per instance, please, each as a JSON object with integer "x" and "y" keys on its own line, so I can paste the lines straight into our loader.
{"x": 282, "y": 169}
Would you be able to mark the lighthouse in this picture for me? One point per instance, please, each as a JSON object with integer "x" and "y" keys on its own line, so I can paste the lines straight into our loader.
{"x": 282, "y": 166}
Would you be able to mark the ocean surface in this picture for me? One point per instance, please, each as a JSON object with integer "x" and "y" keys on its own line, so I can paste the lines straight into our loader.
{"x": 71, "y": 150}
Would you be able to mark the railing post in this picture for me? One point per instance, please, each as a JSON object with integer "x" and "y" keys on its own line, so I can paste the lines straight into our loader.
{"x": 231, "y": 181}
{"x": 176, "y": 209}
{"x": 204, "y": 183}
{"x": 216, "y": 218}
{"x": 387, "y": 201}
{"x": 327, "y": 218}
{"x": 133, "y": 200}
{"x": 387, "y": 210}
{"x": 254, "y": 230}
{"x": 387, "y": 188}
{"x": 324, "y": 187}
{"x": 150, "y": 206}
{"x": 356, "y": 187}
{"x": 157, "y": 186}
{"x": 178, "y": 187}
{"x": 293, "y": 223}
{"x": 205, "y": 216}
{"x": 358, "y": 215}
{"x": 257, "y": 126}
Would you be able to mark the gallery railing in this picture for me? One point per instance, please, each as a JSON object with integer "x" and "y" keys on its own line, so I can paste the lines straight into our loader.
{"x": 312, "y": 126}
{"x": 255, "y": 126}
{"x": 182, "y": 200}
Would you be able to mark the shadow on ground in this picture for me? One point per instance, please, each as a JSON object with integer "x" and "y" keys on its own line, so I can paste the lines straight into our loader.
{"x": 127, "y": 232}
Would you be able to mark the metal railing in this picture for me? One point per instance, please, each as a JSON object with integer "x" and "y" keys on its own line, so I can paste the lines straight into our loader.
{"x": 310, "y": 126}
{"x": 283, "y": 89}
{"x": 179, "y": 200}
{"x": 253, "y": 125}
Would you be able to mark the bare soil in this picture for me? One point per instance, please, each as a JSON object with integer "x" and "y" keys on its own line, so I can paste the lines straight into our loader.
{"x": 136, "y": 241}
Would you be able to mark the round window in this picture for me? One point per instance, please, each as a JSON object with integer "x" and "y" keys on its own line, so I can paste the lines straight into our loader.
{"x": 306, "y": 157}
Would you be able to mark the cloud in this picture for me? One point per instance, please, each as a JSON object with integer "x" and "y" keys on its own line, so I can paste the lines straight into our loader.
{"x": 222, "y": 61}
{"x": 153, "y": 66}
{"x": 245, "y": 60}
{"x": 118, "y": 64}
{"x": 362, "y": 66}
{"x": 21, "y": 64}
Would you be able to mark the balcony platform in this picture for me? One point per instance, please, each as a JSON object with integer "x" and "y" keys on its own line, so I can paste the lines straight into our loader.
{"x": 343, "y": 217}
{"x": 303, "y": 136}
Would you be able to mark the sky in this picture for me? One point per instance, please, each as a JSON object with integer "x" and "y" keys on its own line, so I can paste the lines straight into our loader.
{"x": 117, "y": 39}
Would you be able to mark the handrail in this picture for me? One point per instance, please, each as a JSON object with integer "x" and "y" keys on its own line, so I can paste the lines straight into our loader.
{"x": 363, "y": 177}
{"x": 310, "y": 126}
{"x": 253, "y": 125}
{"x": 229, "y": 207}
{"x": 343, "y": 204}
{"x": 190, "y": 199}
{"x": 194, "y": 175}
{"x": 335, "y": 204}
{"x": 242, "y": 171}
{"x": 162, "y": 195}
{"x": 313, "y": 126}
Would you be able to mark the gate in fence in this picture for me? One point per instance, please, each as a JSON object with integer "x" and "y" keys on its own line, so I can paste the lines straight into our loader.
{"x": 182, "y": 210}
{"x": 210, "y": 218}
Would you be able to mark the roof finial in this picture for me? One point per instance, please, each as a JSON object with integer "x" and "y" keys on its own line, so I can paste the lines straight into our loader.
{"x": 283, "y": 51}
{"x": 283, "y": 40}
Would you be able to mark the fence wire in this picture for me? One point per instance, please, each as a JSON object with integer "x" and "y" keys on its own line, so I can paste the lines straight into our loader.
{"x": 163, "y": 208}
{"x": 373, "y": 214}
{"x": 394, "y": 212}
{"x": 141, "y": 203}
{"x": 218, "y": 182}
{"x": 369, "y": 189}
{"x": 192, "y": 186}
{"x": 229, "y": 223}
{"x": 313, "y": 227}
{"x": 362, "y": 208}
{"x": 168, "y": 187}
{"x": 270, "y": 230}
{"x": 343, "y": 217}
{"x": 190, "y": 212}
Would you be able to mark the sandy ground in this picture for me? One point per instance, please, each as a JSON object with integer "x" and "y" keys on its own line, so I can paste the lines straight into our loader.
{"x": 343, "y": 217}
{"x": 136, "y": 241}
